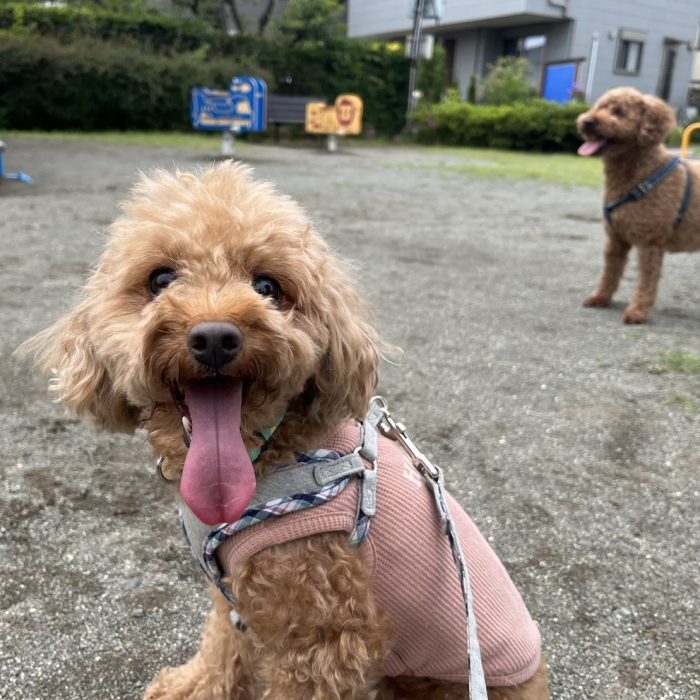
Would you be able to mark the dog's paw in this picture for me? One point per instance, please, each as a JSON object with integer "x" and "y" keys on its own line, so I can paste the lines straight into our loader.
{"x": 597, "y": 300}
{"x": 635, "y": 315}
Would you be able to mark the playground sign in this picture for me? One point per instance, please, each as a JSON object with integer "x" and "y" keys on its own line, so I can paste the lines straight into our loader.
{"x": 243, "y": 108}
{"x": 344, "y": 118}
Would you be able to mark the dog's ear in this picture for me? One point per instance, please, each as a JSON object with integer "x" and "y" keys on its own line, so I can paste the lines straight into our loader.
{"x": 80, "y": 380}
{"x": 347, "y": 375}
{"x": 657, "y": 120}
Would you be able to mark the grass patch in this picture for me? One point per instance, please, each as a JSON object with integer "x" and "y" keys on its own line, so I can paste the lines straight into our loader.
{"x": 687, "y": 403}
{"x": 559, "y": 168}
{"x": 676, "y": 362}
{"x": 148, "y": 139}
{"x": 680, "y": 362}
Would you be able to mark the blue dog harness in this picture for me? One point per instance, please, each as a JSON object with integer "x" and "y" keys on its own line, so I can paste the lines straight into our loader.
{"x": 654, "y": 181}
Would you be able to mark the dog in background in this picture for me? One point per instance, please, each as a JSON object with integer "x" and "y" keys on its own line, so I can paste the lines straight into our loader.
{"x": 652, "y": 200}
{"x": 217, "y": 307}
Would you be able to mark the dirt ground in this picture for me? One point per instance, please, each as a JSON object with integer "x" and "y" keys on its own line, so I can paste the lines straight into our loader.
{"x": 562, "y": 433}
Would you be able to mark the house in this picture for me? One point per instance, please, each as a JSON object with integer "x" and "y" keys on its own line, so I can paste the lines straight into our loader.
{"x": 591, "y": 45}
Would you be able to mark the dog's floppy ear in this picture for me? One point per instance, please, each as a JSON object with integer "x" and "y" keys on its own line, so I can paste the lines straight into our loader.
{"x": 657, "y": 120}
{"x": 80, "y": 380}
{"x": 347, "y": 376}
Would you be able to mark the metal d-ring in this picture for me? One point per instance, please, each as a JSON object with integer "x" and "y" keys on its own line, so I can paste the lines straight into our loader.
{"x": 159, "y": 469}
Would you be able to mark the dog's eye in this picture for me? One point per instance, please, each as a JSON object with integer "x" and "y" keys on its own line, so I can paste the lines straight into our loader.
{"x": 267, "y": 287}
{"x": 619, "y": 113}
{"x": 160, "y": 279}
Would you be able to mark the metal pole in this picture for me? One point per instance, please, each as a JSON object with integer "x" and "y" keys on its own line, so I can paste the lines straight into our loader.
{"x": 415, "y": 53}
{"x": 592, "y": 59}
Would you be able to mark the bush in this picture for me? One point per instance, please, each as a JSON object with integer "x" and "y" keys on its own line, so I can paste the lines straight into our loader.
{"x": 151, "y": 31}
{"x": 85, "y": 42}
{"x": 508, "y": 82}
{"x": 432, "y": 76}
{"x": 98, "y": 86}
{"x": 101, "y": 85}
{"x": 536, "y": 125}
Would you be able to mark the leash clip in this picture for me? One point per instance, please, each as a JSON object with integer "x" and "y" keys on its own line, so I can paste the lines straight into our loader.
{"x": 397, "y": 431}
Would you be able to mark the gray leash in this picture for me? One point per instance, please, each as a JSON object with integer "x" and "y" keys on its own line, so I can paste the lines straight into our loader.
{"x": 379, "y": 415}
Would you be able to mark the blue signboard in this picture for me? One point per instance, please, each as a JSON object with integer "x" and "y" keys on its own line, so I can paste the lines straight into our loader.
{"x": 243, "y": 108}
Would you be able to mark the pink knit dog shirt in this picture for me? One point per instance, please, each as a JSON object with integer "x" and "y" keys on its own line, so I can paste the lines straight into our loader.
{"x": 414, "y": 576}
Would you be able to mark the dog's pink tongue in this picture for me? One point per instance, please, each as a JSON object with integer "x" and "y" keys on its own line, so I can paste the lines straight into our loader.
{"x": 590, "y": 148}
{"x": 218, "y": 482}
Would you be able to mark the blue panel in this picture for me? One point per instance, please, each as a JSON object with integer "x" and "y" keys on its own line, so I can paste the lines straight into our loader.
{"x": 559, "y": 82}
{"x": 243, "y": 108}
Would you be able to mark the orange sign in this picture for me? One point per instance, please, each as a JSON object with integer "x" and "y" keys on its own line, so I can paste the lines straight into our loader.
{"x": 344, "y": 118}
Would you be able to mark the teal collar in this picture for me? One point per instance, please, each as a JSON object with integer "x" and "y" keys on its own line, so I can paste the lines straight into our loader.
{"x": 266, "y": 436}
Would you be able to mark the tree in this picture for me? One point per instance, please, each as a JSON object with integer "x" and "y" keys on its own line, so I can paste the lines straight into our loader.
{"x": 229, "y": 15}
{"x": 311, "y": 20}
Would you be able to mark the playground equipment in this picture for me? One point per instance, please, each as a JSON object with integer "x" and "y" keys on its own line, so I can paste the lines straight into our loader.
{"x": 344, "y": 118}
{"x": 242, "y": 109}
{"x": 685, "y": 141}
{"x": 22, "y": 177}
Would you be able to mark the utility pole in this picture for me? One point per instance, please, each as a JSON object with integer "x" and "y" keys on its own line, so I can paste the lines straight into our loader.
{"x": 419, "y": 11}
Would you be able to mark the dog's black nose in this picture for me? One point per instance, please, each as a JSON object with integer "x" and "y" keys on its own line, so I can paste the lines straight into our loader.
{"x": 590, "y": 123}
{"x": 215, "y": 344}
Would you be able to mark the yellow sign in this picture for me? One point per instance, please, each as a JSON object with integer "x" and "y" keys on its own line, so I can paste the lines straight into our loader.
{"x": 344, "y": 118}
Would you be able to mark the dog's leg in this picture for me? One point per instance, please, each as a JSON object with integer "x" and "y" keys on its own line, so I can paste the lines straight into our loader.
{"x": 616, "y": 252}
{"x": 405, "y": 688}
{"x": 650, "y": 261}
{"x": 221, "y": 669}
{"x": 311, "y": 614}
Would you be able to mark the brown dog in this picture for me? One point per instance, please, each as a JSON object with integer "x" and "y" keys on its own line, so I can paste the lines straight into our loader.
{"x": 651, "y": 201}
{"x": 217, "y": 307}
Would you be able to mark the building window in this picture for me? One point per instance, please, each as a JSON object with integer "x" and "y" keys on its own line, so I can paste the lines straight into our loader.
{"x": 630, "y": 46}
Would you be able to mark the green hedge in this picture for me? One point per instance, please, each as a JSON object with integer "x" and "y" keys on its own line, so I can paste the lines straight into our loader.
{"x": 98, "y": 86}
{"x": 533, "y": 126}
{"x": 92, "y": 84}
{"x": 151, "y": 31}
{"x": 35, "y": 34}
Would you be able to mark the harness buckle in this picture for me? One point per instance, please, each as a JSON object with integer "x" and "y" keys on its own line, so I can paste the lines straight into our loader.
{"x": 639, "y": 191}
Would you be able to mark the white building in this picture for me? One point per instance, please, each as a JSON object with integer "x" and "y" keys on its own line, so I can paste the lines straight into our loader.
{"x": 595, "y": 44}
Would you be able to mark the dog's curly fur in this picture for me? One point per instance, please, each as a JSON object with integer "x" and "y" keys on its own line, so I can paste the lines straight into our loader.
{"x": 318, "y": 633}
{"x": 634, "y": 127}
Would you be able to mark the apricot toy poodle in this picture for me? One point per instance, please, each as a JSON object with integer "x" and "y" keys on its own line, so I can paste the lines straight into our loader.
{"x": 219, "y": 321}
{"x": 651, "y": 199}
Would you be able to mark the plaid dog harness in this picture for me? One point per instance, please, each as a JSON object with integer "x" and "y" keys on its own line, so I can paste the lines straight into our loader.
{"x": 364, "y": 484}
{"x": 317, "y": 478}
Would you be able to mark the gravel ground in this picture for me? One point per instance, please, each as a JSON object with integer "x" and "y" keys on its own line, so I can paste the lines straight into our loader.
{"x": 561, "y": 434}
